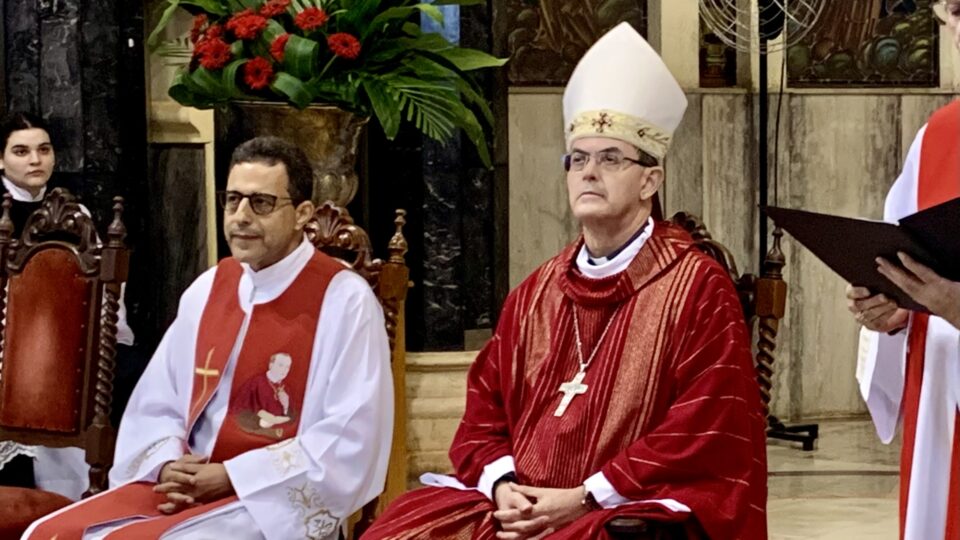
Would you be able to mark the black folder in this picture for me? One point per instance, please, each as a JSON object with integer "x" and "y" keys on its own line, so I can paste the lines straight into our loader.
{"x": 850, "y": 246}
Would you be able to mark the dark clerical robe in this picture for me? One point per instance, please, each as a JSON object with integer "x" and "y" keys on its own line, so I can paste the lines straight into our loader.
{"x": 672, "y": 410}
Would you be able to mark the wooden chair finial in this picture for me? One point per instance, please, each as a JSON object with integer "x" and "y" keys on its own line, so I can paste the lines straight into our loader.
{"x": 6, "y": 224}
{"x": 775, "y": 260}
{"x": 398, "y": 244}
{"x": 117, "y": 230}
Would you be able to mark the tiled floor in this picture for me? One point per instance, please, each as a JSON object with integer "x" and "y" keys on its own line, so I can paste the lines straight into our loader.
{"x": 846, "y": 489}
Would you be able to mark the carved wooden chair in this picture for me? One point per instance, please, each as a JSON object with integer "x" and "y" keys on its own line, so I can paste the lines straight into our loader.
{"x": 764, "y": 300}
{"x": 59, "y": 294}
{"x": 333, "y": 231}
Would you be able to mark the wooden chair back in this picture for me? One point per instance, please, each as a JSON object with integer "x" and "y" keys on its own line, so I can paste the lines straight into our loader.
{"x": 60, "y": 295}
{"x": 333, "y": 231}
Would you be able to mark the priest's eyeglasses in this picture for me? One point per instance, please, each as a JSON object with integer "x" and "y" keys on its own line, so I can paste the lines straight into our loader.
{"x": 608, "y": 160}
{"x": 946, "y": 10}
{"x": 261, "y": 203}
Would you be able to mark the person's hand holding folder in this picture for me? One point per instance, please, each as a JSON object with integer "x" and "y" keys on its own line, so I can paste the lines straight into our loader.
{"x": 892, "y": 268}
{"x": 939, "y": 295}
{"x": 875, "y": 311}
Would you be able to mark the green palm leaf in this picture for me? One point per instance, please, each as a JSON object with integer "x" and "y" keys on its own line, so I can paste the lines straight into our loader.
{"x": 292, "y": 88}
{"x": 402, "y": 13}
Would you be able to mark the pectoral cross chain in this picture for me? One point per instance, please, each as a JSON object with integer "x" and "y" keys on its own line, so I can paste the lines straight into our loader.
{"x": 570, "y": 390}
{"x": 575, "y": 387}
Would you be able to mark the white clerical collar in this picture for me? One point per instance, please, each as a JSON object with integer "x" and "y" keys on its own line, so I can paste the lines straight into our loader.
{"x": 603, "y": 267}
{"x": 279, "y": 275}
{"x": 20, "y": 194}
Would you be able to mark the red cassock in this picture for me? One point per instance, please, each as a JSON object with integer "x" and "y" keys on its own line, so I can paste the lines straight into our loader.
{"x": 673, "y": 409}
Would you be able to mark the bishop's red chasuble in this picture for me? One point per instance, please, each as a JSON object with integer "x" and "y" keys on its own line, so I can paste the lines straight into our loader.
{"x": 672, "y": 409}
{"x": 938, "y": 182}
{"x": 286, "y": 326}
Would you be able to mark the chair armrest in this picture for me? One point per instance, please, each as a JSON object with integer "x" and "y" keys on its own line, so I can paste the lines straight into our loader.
{"x": 627, "y": 528}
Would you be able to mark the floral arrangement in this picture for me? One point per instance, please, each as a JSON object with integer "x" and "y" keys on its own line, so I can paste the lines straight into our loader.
{"x": 370, "y": 57}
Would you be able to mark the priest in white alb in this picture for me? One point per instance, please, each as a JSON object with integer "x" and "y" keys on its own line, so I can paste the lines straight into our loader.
{"x": 909, "y": 365}
{"x": 191, "y": 460}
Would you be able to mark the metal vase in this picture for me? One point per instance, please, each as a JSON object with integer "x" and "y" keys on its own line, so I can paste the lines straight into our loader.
{"x": 327, "y": 134}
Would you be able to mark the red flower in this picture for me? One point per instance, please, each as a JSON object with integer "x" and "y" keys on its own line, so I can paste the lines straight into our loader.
{"x": 310, "y": 18}
{"x": 214, "y": 31}
{"x": 246, "y": 24}
{"x": 276, "y": 48}
{"x": 344, "y": 45}
{"x": 213, "y": 53}
{"x": 198, "y": 23}
{"x": 257, "y": 73}
{"x": 274, "y": 7}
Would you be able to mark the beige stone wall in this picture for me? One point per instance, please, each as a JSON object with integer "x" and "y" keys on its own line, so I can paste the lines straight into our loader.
{"x": 436, "y": 394}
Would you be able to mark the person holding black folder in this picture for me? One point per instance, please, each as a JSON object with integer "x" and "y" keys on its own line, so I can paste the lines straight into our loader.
{"x": 910, "y": 359}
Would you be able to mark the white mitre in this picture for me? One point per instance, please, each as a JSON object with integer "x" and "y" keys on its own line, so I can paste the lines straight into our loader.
{"x": 622, "y": 89}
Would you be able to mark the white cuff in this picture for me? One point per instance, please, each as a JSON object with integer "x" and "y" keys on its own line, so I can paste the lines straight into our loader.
{"x": 603, "y": 491}
{"x": 493, "y": 472}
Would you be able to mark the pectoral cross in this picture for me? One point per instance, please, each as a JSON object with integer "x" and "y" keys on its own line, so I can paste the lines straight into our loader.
{"x": 571, "y": 389}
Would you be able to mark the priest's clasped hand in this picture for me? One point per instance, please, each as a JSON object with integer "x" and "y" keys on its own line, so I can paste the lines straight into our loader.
{"x": 940, "y": 295}
{"x": 530, "y": 513}
{"x": 192, "y": 480}
{"x": 875, "y": 312}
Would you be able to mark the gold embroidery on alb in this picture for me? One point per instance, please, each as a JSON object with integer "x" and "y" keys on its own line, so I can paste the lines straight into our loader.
{"x": 147, "y": 454}
{"x": 318, "y": 522}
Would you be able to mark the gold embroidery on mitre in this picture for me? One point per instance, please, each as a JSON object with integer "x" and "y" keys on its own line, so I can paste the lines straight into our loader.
{"x": 631, "y": 129}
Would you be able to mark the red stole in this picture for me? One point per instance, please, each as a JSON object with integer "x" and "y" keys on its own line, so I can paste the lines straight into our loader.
{"x": 938, "y": 182}
{"x": 278, "y": 345}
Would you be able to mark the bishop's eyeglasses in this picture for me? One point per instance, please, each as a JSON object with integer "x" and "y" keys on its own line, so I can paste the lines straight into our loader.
{"x": 608, "y": 160}
{"x": 261, "y": 203}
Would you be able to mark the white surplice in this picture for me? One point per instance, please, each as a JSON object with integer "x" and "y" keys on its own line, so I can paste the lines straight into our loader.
{"x": 881, "y": 372}
{"x": 301, "y": 488}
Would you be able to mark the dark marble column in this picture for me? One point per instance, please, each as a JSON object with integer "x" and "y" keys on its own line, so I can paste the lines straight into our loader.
{"x": 180, "y": 243}
{"x": 443, "y": 285}
{"x": 451, "y": 228}
{"x": 21, "y": 22}
{"x": 481, "y": 305}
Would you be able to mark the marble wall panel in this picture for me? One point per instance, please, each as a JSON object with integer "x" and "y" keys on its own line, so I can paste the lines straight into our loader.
{"x": 174, "y": 243}
{"x": 442, "y": 246}
{"x": 729, "y": 175}
{"x": 22, "y": 59}
{"x": 843, "y": 156}
{"x": 99, "y": 39}
{"x": 683, "y": 188}
{"x": 60, "y": 83}
{"x": 540, "y": 220}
